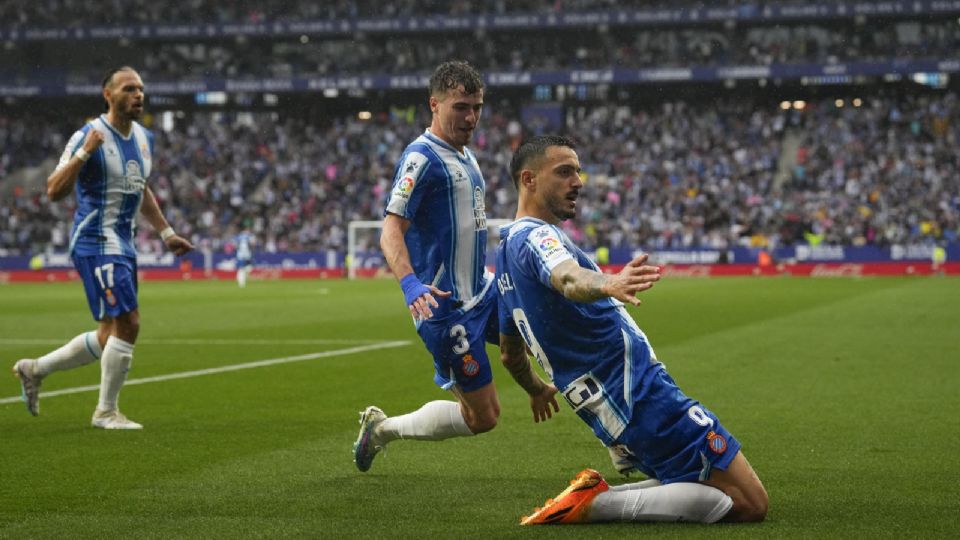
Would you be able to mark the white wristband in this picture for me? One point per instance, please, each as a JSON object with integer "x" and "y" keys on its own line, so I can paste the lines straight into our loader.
{"x": 82, "y": 154}
{"x": 166, "y": 233}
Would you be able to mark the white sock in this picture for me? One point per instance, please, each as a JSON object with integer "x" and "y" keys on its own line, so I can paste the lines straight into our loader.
{"x": 114, "y": 364}
{"x": 435, "y": 421}
{"x": 79, "y": 351}
{"x": 242, "y": 277}
{"x": 643, "y": 484}
{"x": 683, "y": 501}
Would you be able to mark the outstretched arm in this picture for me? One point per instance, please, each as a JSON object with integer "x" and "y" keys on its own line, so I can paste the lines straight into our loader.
{"x": 151, "y": 210}
{"x": 584, "y": 285}
{"x": 419, "y": 297}
{"x": 513, "y": 355}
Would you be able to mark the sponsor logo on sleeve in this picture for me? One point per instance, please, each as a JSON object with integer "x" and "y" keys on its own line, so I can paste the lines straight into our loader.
{"x": 409, "y": 171}
{"x": 404, "y": 188}
{"x": 548, "y": 244}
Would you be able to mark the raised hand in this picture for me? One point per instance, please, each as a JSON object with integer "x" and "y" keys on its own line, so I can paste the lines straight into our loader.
{"x": 634, "y": 278}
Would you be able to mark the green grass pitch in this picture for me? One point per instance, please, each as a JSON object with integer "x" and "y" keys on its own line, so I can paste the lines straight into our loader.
{"x": 844, "y": 393}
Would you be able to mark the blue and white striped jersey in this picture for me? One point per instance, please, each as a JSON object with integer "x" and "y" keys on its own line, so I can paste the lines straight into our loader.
{"x": 441, "y": 192}
{"x": 109, "y": 189}
{"x": 595, "y": 353}
{"x": 242, "y": 242}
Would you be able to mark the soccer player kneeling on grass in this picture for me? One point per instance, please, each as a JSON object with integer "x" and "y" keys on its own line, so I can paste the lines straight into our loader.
{"x": 555, "y": 301}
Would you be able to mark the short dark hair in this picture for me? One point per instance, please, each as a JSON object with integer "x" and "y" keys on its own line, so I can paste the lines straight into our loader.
{"x": 109, "y": 75}
{"x": 533, "y": 148}
{"x": 449, "y": 75}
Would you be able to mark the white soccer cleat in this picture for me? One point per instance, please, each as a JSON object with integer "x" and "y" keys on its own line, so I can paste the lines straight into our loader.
{"x": 29, "y": 384}
{"x": 366, "y": 448}
{"x": 112, "y": 420}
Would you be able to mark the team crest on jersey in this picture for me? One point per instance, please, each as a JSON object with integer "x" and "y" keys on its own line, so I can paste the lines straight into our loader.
{"x": 133, "y": 180}
{"x": 470, "y": 366}
{"x": 111, "y": 299}
{"x": 717, "y": 442}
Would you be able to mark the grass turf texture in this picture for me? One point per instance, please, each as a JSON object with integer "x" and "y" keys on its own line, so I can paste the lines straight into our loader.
{"x": 843, "y": 392}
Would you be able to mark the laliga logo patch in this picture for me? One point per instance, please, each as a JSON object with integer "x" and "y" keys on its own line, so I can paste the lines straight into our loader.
{"x": 111, "y": 299}
{"x": 717, "y": 442}
{"x": 470, "y": 366}
{"x": 548, "y": 244}
{"x": 403, "y": 188}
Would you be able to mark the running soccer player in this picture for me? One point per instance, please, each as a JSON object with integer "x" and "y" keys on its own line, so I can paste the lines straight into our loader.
{"x": 108, "y": 161}
{"x": 434, "y": 240}
{"x": 555, "y": 300}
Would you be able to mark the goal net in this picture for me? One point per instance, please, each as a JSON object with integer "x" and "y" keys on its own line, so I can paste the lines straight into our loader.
{"x": 364, "y": 258}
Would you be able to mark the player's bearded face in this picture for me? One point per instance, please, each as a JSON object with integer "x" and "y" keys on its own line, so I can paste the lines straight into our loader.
{"x": 561, "y": 182}
{"x": 456, "y": 116}
{"x": 126, "y": 94}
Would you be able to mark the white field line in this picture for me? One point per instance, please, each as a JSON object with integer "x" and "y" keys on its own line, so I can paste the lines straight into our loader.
{"x": 224, "y": 369}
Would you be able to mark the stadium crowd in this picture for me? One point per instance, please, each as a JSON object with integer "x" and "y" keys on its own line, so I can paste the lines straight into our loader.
{"x": 542, "y": 50}
{"x": 628, "y": 48}
{"x": 676, "y": 175}
{"x": 56, "y": 13}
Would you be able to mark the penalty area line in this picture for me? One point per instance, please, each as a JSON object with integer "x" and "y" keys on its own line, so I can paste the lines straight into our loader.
{"x": 223, "y": 369}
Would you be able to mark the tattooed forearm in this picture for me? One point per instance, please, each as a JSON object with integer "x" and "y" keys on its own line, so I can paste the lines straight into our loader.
{"x": 513, "y": 355}
{"x": 522, "y": 372}
{"x": 582, "y": 285}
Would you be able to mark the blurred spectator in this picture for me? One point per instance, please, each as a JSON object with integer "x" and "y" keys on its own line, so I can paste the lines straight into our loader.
{"x": 675, "y": 175}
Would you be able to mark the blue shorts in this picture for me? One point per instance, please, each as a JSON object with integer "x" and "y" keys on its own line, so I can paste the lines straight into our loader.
{"x": 458, "y": 344}
{"x": 674, "y": 438}
{"x": 110, "y": 282}
{"x": 242, "y": 263}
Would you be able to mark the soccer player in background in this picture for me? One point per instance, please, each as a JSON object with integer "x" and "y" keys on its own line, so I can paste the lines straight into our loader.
{"x": 434, "y": 240}
{"x": 108, "y": 161}
{"x": 555, "y": 301}
{"x": 244, "y": 255}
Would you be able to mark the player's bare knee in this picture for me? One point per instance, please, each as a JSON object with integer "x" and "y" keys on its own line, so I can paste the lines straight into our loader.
{"x": 482, "y": 423}
{"x": 128, "y": 326}
{"x": 752, "y": 508}
{"x": 760, "y": 505}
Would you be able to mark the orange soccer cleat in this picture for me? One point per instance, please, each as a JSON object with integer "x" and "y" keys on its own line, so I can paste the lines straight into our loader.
{"x": 571, "y": 505}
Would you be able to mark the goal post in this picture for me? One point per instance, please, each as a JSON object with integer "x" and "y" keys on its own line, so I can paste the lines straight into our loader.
{"x": 363, "y": 245}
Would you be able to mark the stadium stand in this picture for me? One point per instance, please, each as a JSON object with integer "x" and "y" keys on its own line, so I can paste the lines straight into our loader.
{"x": 730, "y": 160}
